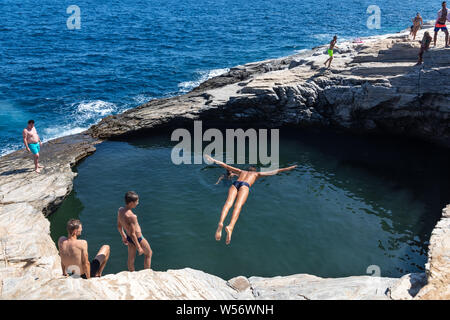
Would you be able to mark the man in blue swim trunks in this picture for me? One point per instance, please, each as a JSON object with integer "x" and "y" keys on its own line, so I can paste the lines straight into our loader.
{"x": 127, "y": 222}
{"x": 239, "y": 190}
{"x": 33, "y": 144}
{"x": 443, "y": 16}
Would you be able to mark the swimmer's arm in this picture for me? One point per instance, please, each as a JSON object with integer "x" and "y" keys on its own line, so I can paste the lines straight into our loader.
{"x": 85, "y": 260}
{"x": 224, "y": 165}
{"x": 274, "y": 172}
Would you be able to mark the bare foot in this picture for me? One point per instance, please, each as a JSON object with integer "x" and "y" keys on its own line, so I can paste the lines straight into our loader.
{"x": 229, "y": 232}
{"x": 219, "y": 232}
{"x": 37, "y": 170}
{"x": 41, "y": 166}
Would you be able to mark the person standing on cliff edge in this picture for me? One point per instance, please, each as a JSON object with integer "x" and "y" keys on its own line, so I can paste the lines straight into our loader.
{"x": 443, "y": 16}
{"x": 32, "y": 143}
{"x": 331, "y": 51}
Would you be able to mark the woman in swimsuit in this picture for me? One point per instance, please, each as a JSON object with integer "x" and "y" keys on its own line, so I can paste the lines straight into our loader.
{"x": 239, "y": 192}
{"x": 417, "y": 24}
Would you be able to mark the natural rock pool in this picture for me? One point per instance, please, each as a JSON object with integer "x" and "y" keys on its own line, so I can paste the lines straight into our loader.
{"x": 352, "y": 202}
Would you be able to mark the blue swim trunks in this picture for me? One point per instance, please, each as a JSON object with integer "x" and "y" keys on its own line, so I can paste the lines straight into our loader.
{"x": 34, "y": 147}
{"x": 436, "y": 29}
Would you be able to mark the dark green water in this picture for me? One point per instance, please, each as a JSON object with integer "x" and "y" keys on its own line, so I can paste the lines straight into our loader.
{"x": 352, "y": 202}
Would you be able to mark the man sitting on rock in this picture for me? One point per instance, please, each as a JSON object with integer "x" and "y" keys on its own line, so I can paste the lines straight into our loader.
{"x": 443, "y": 16}
{"x": 74, "y": 254}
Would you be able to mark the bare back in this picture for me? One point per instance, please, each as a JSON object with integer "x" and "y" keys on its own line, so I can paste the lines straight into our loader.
{"x": 73, "y": 254}
{"x": 128, "y": 221}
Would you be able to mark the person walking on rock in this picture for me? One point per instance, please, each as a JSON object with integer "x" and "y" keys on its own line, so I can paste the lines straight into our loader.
{"x": 331, "y": 51}
{"x": 417, "y": 24}
{"x": 33, "y": 144}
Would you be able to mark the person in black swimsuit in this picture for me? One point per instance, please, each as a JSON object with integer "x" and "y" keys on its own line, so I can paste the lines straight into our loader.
{"x": 239, "y": 192}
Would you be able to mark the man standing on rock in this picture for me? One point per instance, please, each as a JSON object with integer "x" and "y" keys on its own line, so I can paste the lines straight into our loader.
{"x": 32, "y": 143}
{"x": 331, "y": 51}
{"x": 443, "y": 16}
{"x": 74, "y": 254}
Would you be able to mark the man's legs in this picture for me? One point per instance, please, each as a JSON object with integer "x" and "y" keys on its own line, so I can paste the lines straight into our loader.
{"x": 232, "y": 192}
{"x": 147, "y": 253}
{"x": 329, "y": 64}
{"x": 241, "y": 198}
{"x": 446, "y": 38}
{"x": 131, "y": 256}
{"x": 435, "y": 36}
{"x": 102, "y": 257}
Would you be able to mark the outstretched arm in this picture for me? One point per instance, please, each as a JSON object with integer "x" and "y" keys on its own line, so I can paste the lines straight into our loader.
{"x": 274, "y": 172}
{"x": 224, "y": 165}
{"x": 220, "y": 178}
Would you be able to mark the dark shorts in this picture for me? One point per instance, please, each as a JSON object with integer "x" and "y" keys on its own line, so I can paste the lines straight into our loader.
{"x": 131, "y": 241}
{"x": 95, "y": 266}
{"x": 436, "y": 29}
{"x": 239, "y": 184}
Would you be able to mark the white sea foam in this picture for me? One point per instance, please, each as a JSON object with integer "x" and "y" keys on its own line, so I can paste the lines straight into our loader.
{"x": 95, "y": 108}
{"x": 142, "y": 98}
{"x": 85, "y": 114}
{"x": 8, "y": 148}
{"x": 57, "y": 132}
{"x": 201, "y": 77}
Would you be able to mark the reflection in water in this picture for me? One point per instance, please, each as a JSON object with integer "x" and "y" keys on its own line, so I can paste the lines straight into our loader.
{"x": 351, "y": 203}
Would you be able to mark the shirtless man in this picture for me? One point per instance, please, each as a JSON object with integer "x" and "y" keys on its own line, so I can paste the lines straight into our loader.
{"x": 417, "y": 24}
{"x": 32, "y": 143}
{"x": 239, "y": 190}
{"x": 74, "y": 254}
{"x": 443, "y": 16}
{"x": 127, "y": 220}
{"x": 330, "y": 51}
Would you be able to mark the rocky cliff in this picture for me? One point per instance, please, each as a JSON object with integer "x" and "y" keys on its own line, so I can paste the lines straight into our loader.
{"x": 372, "y": 87}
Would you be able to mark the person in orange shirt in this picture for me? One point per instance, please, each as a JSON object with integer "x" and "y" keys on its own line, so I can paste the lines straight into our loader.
{"x": 443, "y": 16}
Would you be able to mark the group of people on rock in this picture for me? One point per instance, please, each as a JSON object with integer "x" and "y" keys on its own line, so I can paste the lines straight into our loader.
{"x": 74, "y": 252}
{"x": 440, "y": 25}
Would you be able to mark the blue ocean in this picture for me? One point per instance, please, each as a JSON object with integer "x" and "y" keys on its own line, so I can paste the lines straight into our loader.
{"x": 128, "y": 52}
